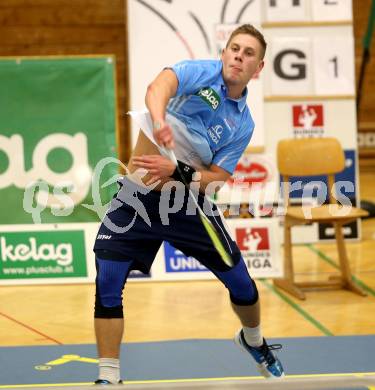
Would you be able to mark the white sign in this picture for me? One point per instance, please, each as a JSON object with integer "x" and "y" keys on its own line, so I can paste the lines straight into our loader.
{"x": 286, "y": 10}
{"x": 258, "y": 240}
{"x": 291, "y": 63}
{"x": 334, "y": 65}
{"x": 331, "y": 10}
{"x": 162, "y": 33}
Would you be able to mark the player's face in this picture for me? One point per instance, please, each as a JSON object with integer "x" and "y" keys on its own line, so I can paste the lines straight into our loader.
{"x": 242, "y": 60}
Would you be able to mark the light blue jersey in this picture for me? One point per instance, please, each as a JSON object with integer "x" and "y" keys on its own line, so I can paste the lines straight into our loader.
{"x": 220, "y": 126}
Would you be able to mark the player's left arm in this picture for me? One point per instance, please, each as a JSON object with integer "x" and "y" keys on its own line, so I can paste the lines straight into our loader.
{"x": 161, "y": 167}
{"x": 213, "y": 179}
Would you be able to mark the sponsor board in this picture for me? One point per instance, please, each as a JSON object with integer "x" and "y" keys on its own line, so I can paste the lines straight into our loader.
{"x": 254, "y": 243}
{"x": 176, "y": 261}
{"x": 253, "y": 181}
{"x": 42, "y": 254}
{"x": 259, "y": 246}
{"x": 252, "y": 169}
{"x": 48, "y": 156}
{"x": 308, "y": 120}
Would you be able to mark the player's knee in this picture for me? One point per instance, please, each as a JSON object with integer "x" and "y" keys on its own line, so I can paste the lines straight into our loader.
{"x": 107, "y": 312}
{"x": 107, "y": 304}
{"x": 102, "y": 311}
{"x": 246, "y": 295}
{"x": 243, "y": 290}
{"x": 110, "y": 279}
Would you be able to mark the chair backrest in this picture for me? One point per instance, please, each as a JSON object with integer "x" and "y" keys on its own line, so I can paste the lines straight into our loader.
{"x": 310, "y": 156}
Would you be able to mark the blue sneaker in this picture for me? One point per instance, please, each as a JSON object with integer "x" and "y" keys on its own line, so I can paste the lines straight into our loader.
{"x": 267, "y": 364}
{"x": 104, "y": 382}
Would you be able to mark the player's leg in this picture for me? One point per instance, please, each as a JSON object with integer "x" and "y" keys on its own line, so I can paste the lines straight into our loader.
{"x": 188, "y": 235}
{"x": 109, "y": 317}
{"x": 191, "y": 239}
{"x": 120, "y": 247}
{"x": 245, "y": 303}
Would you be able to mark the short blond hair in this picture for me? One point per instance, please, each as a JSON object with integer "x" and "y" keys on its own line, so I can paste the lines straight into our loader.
{"x": 250, "y": 30}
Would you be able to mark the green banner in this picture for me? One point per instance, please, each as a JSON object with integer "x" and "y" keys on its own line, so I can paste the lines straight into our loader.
{"x": 37, "y": 254}
{"x": 370, "y": 27}
{"x": 58, "y": 121}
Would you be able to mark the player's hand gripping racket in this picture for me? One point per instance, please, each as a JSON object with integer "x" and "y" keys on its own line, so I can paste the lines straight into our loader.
{"x": 210, "y": 228}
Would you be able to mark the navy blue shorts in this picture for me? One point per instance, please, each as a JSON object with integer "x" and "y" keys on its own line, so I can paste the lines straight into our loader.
{"x": 139, "y": 220}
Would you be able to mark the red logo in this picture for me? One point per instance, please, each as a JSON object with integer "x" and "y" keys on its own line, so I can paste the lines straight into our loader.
{"x": 252, "y": 239}
{"x": 248, "y": 171}
{"x": 308, "y": 116}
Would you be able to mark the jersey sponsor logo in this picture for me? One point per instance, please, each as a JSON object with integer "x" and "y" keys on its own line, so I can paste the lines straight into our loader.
{"x": 210, "y": 97}
{"x": 104, "y": 237}
{"x": 215, "y": 133}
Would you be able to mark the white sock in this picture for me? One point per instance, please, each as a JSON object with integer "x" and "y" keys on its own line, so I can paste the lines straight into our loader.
{"x": 109, "y": 369}
{"x": 253, "y": 336}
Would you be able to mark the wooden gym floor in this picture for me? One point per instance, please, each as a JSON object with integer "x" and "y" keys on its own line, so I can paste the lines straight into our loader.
{"x": 54, "y": 314}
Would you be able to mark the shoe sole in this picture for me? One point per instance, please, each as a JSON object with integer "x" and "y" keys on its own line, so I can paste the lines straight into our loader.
{"x": 261, "y": 367}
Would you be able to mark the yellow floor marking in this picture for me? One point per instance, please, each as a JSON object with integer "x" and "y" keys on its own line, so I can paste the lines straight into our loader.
{"x": 187, "y": 380}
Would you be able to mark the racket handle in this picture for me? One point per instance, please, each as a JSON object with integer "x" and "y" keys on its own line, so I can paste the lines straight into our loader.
{"x": 171, "y": 156}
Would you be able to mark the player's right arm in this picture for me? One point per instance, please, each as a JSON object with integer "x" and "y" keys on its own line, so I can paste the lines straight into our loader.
{"x": 158, "y": 94}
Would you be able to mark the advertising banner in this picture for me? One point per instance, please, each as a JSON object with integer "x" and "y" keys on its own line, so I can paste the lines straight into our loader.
{"x": 57, "y": 162}
{"x": 42, "y": 254}
{"x": 57, "y": 123}
{"x": 258, "y": 240}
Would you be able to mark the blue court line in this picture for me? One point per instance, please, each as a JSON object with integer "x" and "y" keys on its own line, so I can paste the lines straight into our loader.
{"x": 298, "y": 308}
{"x": 329, "y": 260}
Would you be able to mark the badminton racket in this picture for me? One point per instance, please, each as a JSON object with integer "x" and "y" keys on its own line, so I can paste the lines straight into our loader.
{"x": 210, "y": 228}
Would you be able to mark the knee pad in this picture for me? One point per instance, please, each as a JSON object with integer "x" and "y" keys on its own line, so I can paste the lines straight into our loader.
{"x": 247, "y": 297}
{"x": 242, "y": 289}
{"x": 110, "y": 281}
{"x": 107, "y": 312}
